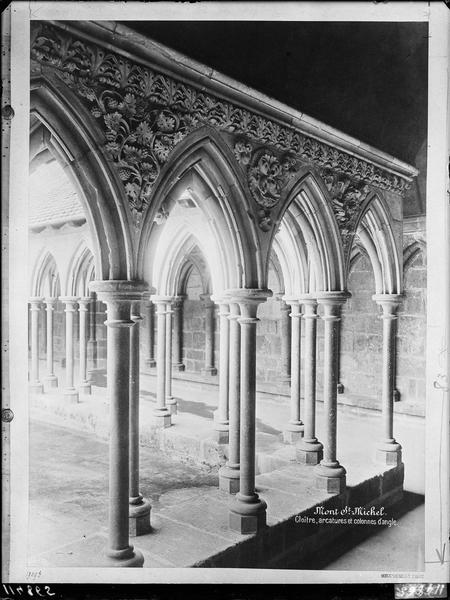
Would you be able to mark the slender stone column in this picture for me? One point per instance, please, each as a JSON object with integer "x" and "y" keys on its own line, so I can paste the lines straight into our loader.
{"x": 35, "y": 384}
{"x": 221, "y": 418}
{"x": 177, "y": 320}
{"x": 171, "y": 403}
{"x": 208, "y": 305}
{"x": 118, "y": 296}
{"x": 161, "y": 414}
{"x": 330, "y": 475}
{"x": 389, "y": 452}
{"x": 150, "y": 330}
{"x": 248, "y": 510}
{"x": 294, "y": 429}
{"x": 309, "y": 450}
{"x": 285, "y": 334}
{"x": 139, "y": 515}
{"x": 92, "y": 341}
{"x": 83, "y": 307}
{"x": 229, "y": 474}
{"x": 70, "y": 393}
{"x": 50, "y": 380}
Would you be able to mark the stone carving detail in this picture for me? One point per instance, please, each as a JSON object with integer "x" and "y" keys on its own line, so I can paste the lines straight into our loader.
{"x": 347, "y": 197}
{"x": 145, "y": 114}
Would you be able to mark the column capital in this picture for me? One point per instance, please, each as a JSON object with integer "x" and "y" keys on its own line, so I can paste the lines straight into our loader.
{"x": 248, "y": 295}
{"x": 35, "y": 301}
{"x": 334, "y": 298}
{"x": 84, "y": 301}
{"x": 69, "y": 301}
{"x": 51, "y": 301}
{"x": 389, "y": 303}
{"x": 117, "y": 290}
{"x": 178, "y": 300}
{"x": 156, "y": 299}
{"x": 206, "y": 300}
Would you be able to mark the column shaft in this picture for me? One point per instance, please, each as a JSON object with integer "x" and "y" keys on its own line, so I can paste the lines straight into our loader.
{"x": 170, "y": 400}
{"x": 310, "y": 450}
{"x": 139, "y": 511}
{"x": 294, "y": 429}
{"x": 221, "y": 418}
{"x": 388, "y": 450}
{"x": 177, "y": 353}
{"x": 248, "y": 510}
{"x": 150, "y": 330}
{"x": 35, "y": 384}
{"x": 70, "y": 393}
{"x": 50, "y": 379}
{"x": 118, "y": 296}
{"x": 161, "y": 412}
{"x": 330, "y": 475}
{"x": 85, "y": 385}
{"x": 229, "y": 474}
{"x": 209, "y": 335}
{"x": 285, "y": 333}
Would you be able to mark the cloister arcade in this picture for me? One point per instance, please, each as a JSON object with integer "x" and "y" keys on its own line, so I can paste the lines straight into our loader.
{"x": 219, "y": 235}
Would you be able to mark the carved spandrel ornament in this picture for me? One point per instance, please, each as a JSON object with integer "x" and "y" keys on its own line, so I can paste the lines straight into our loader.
{"x": 145, "y": 114}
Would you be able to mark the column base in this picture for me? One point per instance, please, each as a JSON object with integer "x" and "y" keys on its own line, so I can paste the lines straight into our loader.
{"x": 36, "y": 387}
{"x": 330, "y": 477}
{"x": 229, "y": 479}
{"x": 51, "y": 381}
{"x": 309, "y": 452}
{"x": 293, "y": 432}
{"x": 209, "y": 371}
{"x": 139, "y": 516}
{"x": 178, "y": 367}
{"x": 247, "y": 517}
{"x": 172, "y": 405}
{"x": 85, "y": 388}
{"x": 221, "y": 433}
{"x": 71, "y": 396}
{"x": 150, "y": 362}
{"x": 161, "y": 418}
{"x": 284, "y": 379}
{"x": 389, "y": 453}
{"x": 128, "y": 557}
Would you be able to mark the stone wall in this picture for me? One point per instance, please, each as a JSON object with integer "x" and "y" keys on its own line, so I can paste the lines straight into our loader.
{"x": 361, "y": 334}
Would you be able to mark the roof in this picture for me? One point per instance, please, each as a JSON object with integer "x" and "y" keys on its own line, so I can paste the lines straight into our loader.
{"x": 52, "y": 197}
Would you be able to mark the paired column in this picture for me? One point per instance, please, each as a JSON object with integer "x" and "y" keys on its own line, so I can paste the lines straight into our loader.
{"x": 35, "y": 384}
{"x": 118, "y": 296}
{"x": 247, "y": 509}
{"x": 92, "y": 341}
{"x": 50, "y": 379}
{"x": 208, "y": 305}
{"x": 85, "y": 384}
{"x": 330, "y": 475}
{"x": 171, "y": 403}
{"x": 221, "y": 418}
{"x": 161, "y": 413}
{"x": 150, "y": 330}
{"x": 294, "y": 430}
{"x": 285, "y": 334}
{"x": 139, "y": 511}
{"x": 229, "y": 474}
{"x": 389, "y": 452}
{"x": 309, "y": 450}
{"x": 177, "y": 320}
{"x": 70, "y": 393}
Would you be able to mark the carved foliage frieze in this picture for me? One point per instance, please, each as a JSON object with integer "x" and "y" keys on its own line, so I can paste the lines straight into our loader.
{"x": 145, "y": 114}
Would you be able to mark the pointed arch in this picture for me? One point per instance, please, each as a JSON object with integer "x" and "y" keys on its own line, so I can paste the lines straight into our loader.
{"x": 81, "y": 272}
{"x": 45, "y": 280}
{"x": 411, "y": 252}
{"x": 376, "y": 232}
{"x": 308, "y": 206}
{"x": 73, "y": 139}
{"x": 202, "y": 172}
